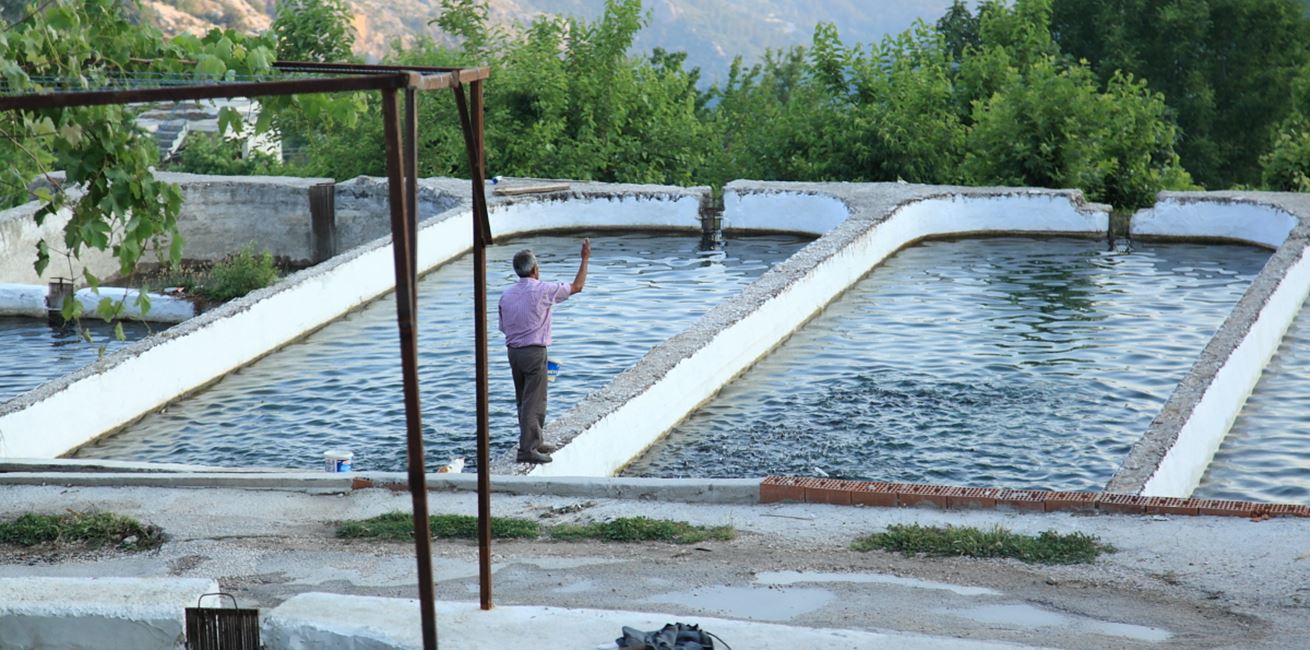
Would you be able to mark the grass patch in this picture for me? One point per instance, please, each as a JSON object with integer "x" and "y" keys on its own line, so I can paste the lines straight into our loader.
{"x": 88, "y": 530}
{"x": 399, "y": 526}
{"x": 642, "y": 529}
{"x": 1048, "y": 547}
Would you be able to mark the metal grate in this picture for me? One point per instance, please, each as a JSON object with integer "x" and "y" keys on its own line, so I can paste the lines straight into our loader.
{"x": 217, "y": 628}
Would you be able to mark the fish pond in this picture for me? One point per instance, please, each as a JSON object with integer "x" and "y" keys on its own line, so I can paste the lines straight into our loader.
{"x": 1008, "y": 362}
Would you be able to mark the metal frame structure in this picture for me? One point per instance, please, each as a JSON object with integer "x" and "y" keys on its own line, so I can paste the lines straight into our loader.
{"x": 402, "y": 179}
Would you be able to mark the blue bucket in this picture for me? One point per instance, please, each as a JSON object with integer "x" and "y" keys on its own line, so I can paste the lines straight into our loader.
{"x": 552, "y": 369}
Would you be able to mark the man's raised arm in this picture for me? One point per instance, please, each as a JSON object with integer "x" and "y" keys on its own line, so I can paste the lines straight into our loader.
{"x": 581, "y": 279}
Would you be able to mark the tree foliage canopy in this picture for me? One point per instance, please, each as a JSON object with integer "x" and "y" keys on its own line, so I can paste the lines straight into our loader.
{"x": 1225, "y": 67}
{"x": 1116, "y": 97}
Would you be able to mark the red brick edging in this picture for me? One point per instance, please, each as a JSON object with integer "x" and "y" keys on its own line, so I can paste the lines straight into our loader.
{"x": 774, "y": 489}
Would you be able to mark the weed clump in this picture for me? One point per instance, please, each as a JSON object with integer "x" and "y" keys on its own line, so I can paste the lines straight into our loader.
{"x": 399, "y": 526}
{"x": 642, "y": 529}
{"x": 86, "y": 530}
{"x": 1048, "y": 547}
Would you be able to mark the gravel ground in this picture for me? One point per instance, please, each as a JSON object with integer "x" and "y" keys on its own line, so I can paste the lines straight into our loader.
{"x": 1174, "y": 582}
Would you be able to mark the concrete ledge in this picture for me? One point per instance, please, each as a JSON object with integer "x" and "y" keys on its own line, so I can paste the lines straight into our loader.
{"x": 318, "y": 620}
{"x": 1172, "y": 456}
{"x": 124, "y": 466}
{"x": 744, "y": 491}
{"x": 94, "y": 613}
{"x": 23, "y": 300}
{"x": 776, "y": 489}
{"x": 306, "y": 481}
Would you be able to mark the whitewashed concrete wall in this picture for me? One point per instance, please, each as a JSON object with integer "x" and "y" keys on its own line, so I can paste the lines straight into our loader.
{"x": 669, "y": 212}
{"x": 1238, "y": 221}
{"x": 783, "y": 211}
{"x": 610, "y": 442}
{"x": 1172, "y": 456}
{"x": 41, "y": 613}
{"x": 149, "y": 374}
{"x": 19, "y": 235}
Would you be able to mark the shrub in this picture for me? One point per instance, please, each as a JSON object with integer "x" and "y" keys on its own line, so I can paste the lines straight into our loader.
{"x": 238, "y": 274}
{"x": 208, "y": 153}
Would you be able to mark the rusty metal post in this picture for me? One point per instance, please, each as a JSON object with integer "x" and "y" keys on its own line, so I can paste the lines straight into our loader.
{"x": 482, "y": 228}
{"x": 58, "y": 291}
{"x": 411, "y": 179}
{"x": 322, "y": 222}
{"x": 405, "y": 318}
{"x": 471, "y": 120}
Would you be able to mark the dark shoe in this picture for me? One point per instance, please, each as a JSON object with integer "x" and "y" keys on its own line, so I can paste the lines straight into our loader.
{"x": 547, "y": 448}
{"x": 533, "y": 456}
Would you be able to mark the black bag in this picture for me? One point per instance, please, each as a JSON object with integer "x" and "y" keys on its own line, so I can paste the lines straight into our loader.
{"x": 673, "y": 636}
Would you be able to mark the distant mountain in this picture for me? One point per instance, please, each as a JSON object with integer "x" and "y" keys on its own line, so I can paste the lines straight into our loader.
{"x": 712, "y": 32}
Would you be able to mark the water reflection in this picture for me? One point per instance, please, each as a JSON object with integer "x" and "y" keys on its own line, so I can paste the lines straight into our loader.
{"x": 33, "y": 352}
{"x": 1007, "y": 361}
{"x": 1266, "y": 456}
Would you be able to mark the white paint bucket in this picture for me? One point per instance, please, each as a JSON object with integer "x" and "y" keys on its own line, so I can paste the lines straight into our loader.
{"x": 337, "y": 460}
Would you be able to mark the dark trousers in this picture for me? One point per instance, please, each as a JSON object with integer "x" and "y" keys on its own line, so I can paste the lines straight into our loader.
{"x": 528, "y": 365}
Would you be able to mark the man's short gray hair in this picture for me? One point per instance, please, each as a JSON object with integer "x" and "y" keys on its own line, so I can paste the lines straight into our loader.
{"x": 524, "y": 261}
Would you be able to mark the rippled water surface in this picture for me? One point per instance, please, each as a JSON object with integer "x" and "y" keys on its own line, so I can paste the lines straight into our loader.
{"x": 341, "y": 386}
{"x": 992, "y": 362}
{"x": 32, "y": 352}
{"x": 1266, "y": 456}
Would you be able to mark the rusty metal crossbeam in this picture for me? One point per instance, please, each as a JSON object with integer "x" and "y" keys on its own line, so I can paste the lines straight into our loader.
{"x": 203, "y": 90}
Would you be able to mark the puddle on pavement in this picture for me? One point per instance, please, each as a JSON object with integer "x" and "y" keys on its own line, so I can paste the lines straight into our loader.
{"x": 750, "y": 603}
{"x": 1030, "y": 616}
{"x": 793, "y": 577}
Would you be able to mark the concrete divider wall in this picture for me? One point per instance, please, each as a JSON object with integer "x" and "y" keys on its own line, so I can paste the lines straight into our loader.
{"x": 361, "y": 214}
{"x": 221, "y": 214}
{"x": 148, "y": 374}
{"x": 1171, "y": 457}
{"x": 614, "y": 425}
{"x": 19, "y": 235}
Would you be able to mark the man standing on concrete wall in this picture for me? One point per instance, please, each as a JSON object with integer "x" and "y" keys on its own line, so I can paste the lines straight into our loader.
{"x": 525, "y": 321}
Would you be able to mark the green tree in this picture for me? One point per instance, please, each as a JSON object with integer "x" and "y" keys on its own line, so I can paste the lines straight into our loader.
{"x": 1224, "y": 67}
{"x": 959, "y": 29}
{"x": 1286, "y": 166}
{"x": 208, "y": 153}
{"x": 1048, "y": 123}
{"x": 568, "y": 102}
{"x": 314, "y": 30}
